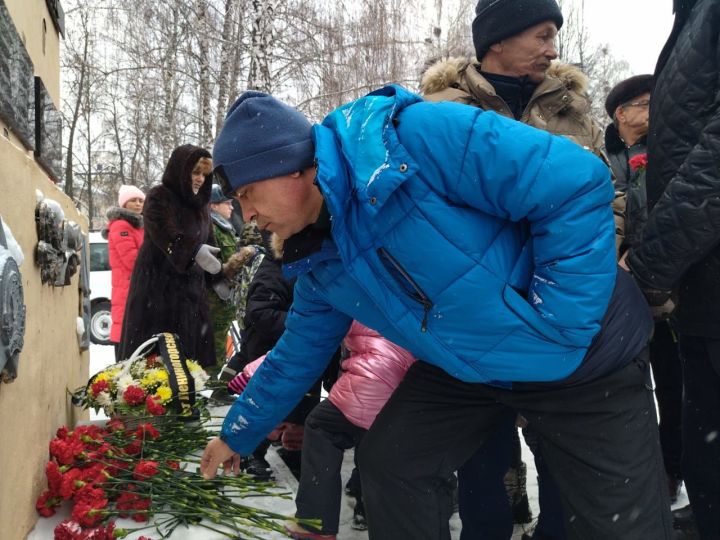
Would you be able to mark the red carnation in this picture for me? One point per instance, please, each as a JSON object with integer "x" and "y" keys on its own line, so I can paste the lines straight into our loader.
{"x": 90, "y": 433}
{"x": 62, "y": 432}
{"x": 70, "y": 483}
{"x": 147, "y": 431}
{"x": 99, "y": 386}
{"x": 89, "y": 513}
{"x": 139, "y": 515}
{"x": 134, "y": 448}
{"x": 134, "y": 395}
{"x": 174, "y": 465}
{"x": 131, "y": 504}
{"x": 153, "y": 361}
{"x": 90, "y": 494}
{"x": 54, "y": 477}
{"x": 65, "y": 450}
{"x": 47, "y": 502}
{"x": 68, "y": 530}
{"x": 154, "y": 407}
{"x": 145, "y": 469}
{"x": 115, "y": 425}
{"x": 638, "y": 162}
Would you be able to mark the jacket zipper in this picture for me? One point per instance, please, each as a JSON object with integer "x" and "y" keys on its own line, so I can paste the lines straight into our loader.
{"x": 419, "y": 295}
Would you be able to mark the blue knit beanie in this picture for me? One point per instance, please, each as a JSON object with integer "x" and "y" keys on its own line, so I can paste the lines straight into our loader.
{"x": 261, "y": 138}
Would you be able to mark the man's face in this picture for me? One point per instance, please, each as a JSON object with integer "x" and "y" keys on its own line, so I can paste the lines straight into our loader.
{"x": 283, "y": 205}
{"x": 634, "y": 114}
{"x": 225, "y": 208}
{"x": 529, "y": 52}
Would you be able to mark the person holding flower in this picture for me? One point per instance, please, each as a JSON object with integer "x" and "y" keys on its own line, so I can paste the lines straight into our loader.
{"x": 520, "y": 308}
{"x": 628, "y": 105}
{"x": 124, "y": 234}
{"x": 167, "y": 290}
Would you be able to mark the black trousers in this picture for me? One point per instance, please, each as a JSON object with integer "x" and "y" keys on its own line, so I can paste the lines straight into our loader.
{"x": 599, "y": 440}
{"x": 667, "y": 372}
{"x": 701, "y": 430}
{"x": 327, "y": 435}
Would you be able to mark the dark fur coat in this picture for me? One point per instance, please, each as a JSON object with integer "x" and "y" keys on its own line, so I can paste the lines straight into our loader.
{"x": 167, "y": 290}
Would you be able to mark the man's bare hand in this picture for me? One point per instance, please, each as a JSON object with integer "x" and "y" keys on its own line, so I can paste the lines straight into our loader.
{"x": 218, "y": 453}
{"x": 622, "y": 263}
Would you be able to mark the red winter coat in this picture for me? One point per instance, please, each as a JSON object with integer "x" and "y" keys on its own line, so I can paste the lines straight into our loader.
{"x": 124, "y": 236}
{"x": 370, "y": 375}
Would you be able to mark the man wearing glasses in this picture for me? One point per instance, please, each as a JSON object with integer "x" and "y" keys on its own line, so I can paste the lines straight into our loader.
{"x": 628, "y": 104}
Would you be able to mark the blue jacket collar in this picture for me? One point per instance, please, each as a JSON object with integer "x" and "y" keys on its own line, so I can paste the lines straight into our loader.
{"x": 358, "y": 151}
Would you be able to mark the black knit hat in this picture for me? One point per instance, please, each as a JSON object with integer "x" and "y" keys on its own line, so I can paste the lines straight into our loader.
{"x": 626, "y": 90}
{"x": 496, "y": 20}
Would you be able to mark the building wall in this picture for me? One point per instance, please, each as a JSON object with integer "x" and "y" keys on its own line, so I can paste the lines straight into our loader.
{"x": 34, "y": 405}
{"x": 28, "y": 16}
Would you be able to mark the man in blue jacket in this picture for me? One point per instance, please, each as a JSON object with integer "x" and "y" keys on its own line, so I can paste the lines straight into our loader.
{"x": 486, "y": 248}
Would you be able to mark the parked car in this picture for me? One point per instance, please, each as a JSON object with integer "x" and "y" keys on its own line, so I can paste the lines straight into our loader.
{"x": 100, "y": 289}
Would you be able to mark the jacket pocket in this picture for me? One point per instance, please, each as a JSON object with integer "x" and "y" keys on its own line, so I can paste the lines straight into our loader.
{"x": 407, "y": 283}
{"x": 525, "y": 312}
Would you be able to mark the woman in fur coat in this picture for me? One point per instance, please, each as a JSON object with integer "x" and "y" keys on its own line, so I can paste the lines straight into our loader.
{"x": 167, "y": 291}
{"x": 124, "y": 234}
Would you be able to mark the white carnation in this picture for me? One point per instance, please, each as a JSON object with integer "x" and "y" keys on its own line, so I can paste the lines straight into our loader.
{"x": 200, "y": 378}
{"x": 104, "y": 398}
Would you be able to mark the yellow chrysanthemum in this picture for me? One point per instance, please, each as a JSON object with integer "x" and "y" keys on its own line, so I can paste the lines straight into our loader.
{"x": 149, "y": 379}
{"x": 164, "y": 393}
{"x": 104, "y": 376}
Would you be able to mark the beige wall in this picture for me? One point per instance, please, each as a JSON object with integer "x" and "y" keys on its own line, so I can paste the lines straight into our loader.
{"x": 28, "y": 16}
{"x": 36, "y": 403}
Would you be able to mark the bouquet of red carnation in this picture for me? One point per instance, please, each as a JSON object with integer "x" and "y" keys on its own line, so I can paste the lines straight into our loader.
{"x": 112, "y": 471}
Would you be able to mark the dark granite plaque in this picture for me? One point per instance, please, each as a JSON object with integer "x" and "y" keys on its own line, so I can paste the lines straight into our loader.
{"x": 16, "y": 81}
{"x": 48, "y": 132}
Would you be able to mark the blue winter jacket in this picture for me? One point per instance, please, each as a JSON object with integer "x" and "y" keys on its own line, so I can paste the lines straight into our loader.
{"x": 482, "y": 245}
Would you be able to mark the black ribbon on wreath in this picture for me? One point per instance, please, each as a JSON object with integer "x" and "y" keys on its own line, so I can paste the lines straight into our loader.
{"x": 181, "y": 381}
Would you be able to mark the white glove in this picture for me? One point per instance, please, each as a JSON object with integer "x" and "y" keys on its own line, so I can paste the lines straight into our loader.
{"x": 222, "y": 289}
{"x": 206, "y": 258}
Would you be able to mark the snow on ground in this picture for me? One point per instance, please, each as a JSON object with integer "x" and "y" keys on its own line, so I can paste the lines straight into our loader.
{"x": 102, "y": 356}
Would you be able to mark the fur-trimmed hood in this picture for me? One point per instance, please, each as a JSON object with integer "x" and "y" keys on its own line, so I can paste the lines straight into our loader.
{"x": 559, "y": 104}
{"x": 448, "y": 73}
{"x": 115, "y": 212}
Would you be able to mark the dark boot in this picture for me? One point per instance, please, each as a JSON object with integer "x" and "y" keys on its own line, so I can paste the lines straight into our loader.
{"x": 674, "y": 487}
{"x": 684, "y": 524}
{"x": 352, "y": 487}
{"x": 359, "y": 523}
{"x": 257, "y": 466}
{"x": 516, "y": 487}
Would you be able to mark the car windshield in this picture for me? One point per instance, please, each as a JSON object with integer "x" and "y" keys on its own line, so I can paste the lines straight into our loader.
{"x": 99, "y": 260}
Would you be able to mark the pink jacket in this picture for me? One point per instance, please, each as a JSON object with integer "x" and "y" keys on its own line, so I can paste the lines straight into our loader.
{"x": 370, "y": 375}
